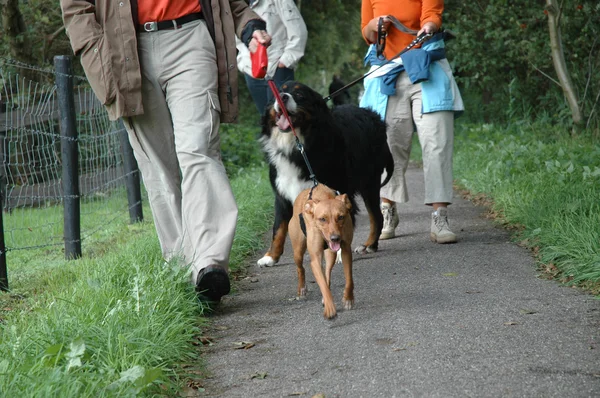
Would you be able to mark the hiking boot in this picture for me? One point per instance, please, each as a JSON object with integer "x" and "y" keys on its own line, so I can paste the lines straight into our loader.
{"x": 440, "y": 231}
{"x": 212, "y": 283}
{"x": 390, "y": 220}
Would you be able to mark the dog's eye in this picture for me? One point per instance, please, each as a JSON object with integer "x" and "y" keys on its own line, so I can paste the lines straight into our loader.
{"x": 322, "y": 219}
{"x": 340, "y": 218}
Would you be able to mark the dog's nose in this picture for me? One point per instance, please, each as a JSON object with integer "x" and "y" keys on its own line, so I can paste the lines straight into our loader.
{"x": 335, "y": 238}
{"x": 285, "y": 97}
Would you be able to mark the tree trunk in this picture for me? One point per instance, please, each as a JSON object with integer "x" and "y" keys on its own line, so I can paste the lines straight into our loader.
{"x": 558, "y": 58}
{"x": 14, "y": 28}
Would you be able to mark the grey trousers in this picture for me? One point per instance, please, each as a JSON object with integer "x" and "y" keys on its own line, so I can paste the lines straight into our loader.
{"x": 436, "y": 136}
{"x": 177, "y": 146}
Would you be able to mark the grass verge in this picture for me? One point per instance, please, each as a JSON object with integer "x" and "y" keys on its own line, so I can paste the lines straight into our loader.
{"x": 546, "y": 185}
{"x": 117, "y": 322}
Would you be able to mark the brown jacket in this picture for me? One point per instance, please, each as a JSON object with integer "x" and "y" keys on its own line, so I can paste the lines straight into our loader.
{"x": 103, "y": 34}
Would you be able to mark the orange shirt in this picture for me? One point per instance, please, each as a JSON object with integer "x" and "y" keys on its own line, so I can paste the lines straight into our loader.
{"x": 163, "y": 10}
{"x": 412, "y": 13}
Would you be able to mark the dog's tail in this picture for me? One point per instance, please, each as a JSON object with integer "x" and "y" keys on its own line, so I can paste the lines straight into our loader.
{"x": 389, "y": 165}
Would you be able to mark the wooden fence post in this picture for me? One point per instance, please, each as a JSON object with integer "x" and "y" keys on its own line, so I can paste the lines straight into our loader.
{"x": 70, "y": 156}
{"x": 134, "y": 192}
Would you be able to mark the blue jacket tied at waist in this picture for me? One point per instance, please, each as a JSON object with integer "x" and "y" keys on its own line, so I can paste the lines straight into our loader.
{"x": 426, "y": 65}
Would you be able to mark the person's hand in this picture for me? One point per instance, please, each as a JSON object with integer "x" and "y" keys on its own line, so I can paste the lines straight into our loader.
{"x": 375, "y": 23}
{"x": 259, "y": 36}
{"x": 429, "y": 27}
{"x": 281, "y": 65}
{"x": 371, "y": 28}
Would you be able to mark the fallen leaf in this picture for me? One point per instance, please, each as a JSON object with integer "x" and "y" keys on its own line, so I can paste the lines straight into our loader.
{"x": 510, "y": 323}
{"x": 243, "y": 345}
{"x": 384, "y": 341}
{"x": 296, "y": 394}
{"x": 527, "y": 312}
{"x": 259, "y": 375}
{"x": 319, "y": 396}
{"x": 412, "y": 344}
{"x": 450, "y": 274}
{"x": 205, "y": 340}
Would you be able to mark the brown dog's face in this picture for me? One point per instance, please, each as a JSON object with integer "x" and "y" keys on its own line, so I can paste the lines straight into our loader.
{"x": 330, "y": 216}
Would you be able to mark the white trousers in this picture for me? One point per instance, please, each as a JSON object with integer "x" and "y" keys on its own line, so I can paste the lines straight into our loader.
{"x": 177, "y": 146}
{"x": 436, "y": 136}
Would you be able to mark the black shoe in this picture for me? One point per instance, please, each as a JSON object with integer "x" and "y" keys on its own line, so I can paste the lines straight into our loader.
{"x": 212, "y": 283}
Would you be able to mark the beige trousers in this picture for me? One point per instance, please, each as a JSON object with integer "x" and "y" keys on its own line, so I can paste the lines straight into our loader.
{"x": 436, "y": 136}
{"x": 177, "y": 146}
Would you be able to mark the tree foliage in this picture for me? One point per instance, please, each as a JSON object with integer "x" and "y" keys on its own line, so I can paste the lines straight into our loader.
{"x": 503, "y": 58}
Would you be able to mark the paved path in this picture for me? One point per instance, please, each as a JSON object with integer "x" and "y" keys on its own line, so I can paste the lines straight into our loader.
{"x": 464, "y": 320}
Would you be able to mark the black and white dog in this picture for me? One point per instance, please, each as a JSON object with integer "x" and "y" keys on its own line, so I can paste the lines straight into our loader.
{"x": 347, "y": 150}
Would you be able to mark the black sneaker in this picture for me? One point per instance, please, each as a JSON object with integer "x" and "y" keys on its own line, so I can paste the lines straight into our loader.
{"x": 212, "y": 283}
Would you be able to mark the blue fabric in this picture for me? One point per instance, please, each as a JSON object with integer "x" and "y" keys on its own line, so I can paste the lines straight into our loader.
{"x": 373, "y": 98}
{"x": 436, "y": 92}
{"x": 420, "y": 65}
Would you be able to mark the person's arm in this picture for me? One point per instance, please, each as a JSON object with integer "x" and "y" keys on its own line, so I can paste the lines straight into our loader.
{"x": 431, "y": 16}
{"x": 296, "y": 33}
{"x": 368, "y": 23}
{"x": 80, "y": 23}
{"x": 249, "y": 27}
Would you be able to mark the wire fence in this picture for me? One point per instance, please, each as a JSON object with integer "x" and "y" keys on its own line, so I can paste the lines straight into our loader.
{"x": 58, "y": 189}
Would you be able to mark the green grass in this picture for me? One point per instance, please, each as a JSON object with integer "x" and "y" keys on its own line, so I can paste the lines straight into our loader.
{"x": 544, "y": 182}
{"x": 117, "y": 322}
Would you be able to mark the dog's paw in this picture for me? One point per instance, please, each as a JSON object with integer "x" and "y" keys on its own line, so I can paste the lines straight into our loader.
{"x": 338, "y": 257}
{"x": 302, "y": 293}
{"x": 329, "y": 312}
{"x": 362, "y": 249}
{"x": 371, "y": 249}
{"x": 348, "y": 304}
{"x": 266, "y": 261}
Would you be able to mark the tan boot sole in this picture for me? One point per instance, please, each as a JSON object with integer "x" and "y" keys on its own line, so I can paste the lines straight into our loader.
{"x": 387, "y": 235}
{"x": 447, "y": 239}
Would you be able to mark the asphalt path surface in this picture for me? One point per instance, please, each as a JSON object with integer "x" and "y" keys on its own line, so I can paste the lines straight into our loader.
{"x": 471, "y": 319}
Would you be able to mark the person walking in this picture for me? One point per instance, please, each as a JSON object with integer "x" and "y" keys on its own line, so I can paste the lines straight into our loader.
{"x": 419, "y": 92}
{"x": 167, "y": 69}
{"x": 288, "y": 32}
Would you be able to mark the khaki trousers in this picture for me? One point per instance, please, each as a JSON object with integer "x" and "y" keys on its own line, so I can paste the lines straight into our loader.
{"x": 436, "y": 136}
{"x": 177, "y": 146}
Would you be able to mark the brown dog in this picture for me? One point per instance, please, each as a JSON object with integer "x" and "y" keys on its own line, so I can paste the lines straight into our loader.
{"x": 322, "y": 223}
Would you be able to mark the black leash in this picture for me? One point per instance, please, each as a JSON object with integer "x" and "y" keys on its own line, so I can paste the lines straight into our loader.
{"x": 418, "y": 40}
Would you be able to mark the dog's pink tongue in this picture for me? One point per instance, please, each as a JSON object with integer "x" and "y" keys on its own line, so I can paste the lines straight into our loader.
{"x": 283, "y": 123}
{"x": 334, "y": 246}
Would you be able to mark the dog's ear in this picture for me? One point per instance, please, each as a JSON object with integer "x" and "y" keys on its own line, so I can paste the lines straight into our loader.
{"x": 344, "y": 199}
{"x": 309, "y": 207}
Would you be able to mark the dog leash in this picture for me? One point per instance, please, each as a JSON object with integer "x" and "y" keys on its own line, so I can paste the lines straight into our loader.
{"x": 299, "y": 145}
{"x": 418, "y": 40}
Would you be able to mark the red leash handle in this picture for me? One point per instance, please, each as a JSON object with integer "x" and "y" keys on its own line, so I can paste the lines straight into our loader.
{"x": 260, "y": 62}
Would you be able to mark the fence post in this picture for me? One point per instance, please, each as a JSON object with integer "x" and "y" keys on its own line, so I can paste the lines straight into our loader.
{"x": 134, "y": 192}
{"x": 3, "y": 203}
{"x": 3, "y": 268}
{"x": 70, "y": 156}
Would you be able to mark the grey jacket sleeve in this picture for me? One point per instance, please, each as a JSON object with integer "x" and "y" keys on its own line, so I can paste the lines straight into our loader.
{"x": 296, "y": 32}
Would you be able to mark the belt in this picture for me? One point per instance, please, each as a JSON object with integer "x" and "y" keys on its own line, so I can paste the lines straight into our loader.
{"x": 169, "y": 24}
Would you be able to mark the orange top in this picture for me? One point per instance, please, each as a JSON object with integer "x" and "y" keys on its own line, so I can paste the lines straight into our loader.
{"x": 163, "y": 10}
{"x": 412, "y": 13}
